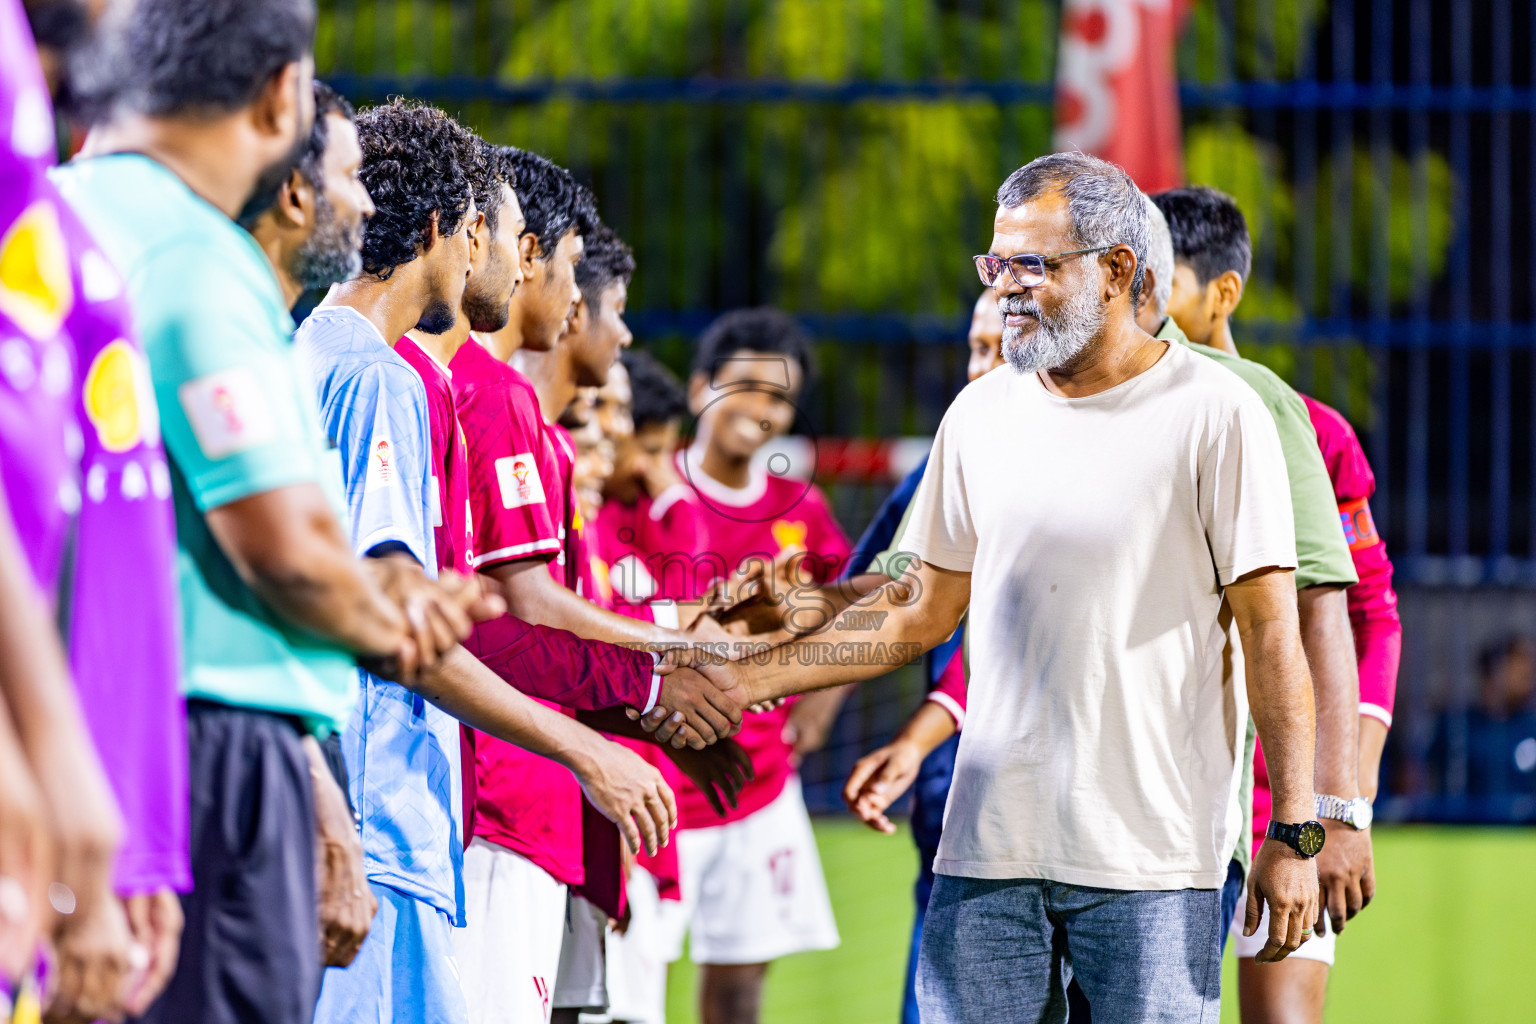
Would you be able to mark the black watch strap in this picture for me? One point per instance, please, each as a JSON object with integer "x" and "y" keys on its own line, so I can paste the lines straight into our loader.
{"x": 1305, "y": 838}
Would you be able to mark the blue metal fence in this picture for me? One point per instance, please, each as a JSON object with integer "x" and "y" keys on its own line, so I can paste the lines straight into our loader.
{"x": 838, "y": 158}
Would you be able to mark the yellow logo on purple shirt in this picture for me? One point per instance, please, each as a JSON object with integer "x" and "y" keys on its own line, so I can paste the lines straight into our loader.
{"x": 119, "y": 399}
{"x": 35, "y": 289}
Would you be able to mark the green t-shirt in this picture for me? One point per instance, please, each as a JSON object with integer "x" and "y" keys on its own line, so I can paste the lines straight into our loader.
{"x": 236, "y": 421}
{"x": 1322, "y": 555}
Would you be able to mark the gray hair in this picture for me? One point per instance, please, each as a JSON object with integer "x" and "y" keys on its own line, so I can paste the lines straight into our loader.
{"x": 1159, "y": 256}
{"x": 1106, "y": 206}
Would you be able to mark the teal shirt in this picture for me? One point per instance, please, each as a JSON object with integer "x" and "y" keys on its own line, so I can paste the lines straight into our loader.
{"x": 236, "y": 421}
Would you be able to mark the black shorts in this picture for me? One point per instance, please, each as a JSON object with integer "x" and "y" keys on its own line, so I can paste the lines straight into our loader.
{"x": 250, "y": 951}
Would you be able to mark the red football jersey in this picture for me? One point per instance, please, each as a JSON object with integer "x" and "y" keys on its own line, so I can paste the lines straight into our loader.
{"x": 450, "y": 459}
{"x": 771, "y": 517}
{"x": 650, "y": 546}
{"x": 525, "y": 802}
{"x": 510, "y": 467}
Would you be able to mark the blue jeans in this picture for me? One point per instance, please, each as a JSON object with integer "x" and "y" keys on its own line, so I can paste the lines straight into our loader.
{"x": 929, "y": 792}
{"x": 1006, "y": 949}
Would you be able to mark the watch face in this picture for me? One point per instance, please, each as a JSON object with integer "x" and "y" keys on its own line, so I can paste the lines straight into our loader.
{"x": 1361, "y": 813}
{"x": 1309, "y": 838}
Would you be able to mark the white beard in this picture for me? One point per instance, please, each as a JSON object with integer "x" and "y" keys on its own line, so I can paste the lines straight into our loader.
{"x": 1057, "y": 339}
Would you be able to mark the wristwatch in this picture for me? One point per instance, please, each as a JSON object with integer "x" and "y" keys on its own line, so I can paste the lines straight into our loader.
{"x": 1306, "y": 838}
{"x": 1355, "y": 813}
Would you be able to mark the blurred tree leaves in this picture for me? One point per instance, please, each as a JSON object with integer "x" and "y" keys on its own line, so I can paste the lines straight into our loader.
{"x": 875, "y": 205}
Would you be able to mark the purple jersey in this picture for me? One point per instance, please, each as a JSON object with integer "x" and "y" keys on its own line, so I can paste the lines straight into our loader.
{"x": 124, "y": 637}
{"x": 37, "y": 290}
{"x": 76, "y": 404}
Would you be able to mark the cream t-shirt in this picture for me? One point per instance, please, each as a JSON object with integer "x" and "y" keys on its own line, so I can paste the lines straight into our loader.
{"x": 1104, "y": 732}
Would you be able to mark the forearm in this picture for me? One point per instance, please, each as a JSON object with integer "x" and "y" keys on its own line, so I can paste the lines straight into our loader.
{"x": 893, "y": 625}
{"x": 559, "y": 666}
{"x": 1373, "y": 740}
{"x": 472, "y": 693}
{"x": 290, "y": 549}
{"x": 929, "y": 726}
{"x": 813, "y": 610}
{"x": 1280, "y": 697}
{"x": 534, "y": 596}
{"x": 43, "y": 711}
{"x": 332, "y": 596}
{"x": 1330, "y": 653}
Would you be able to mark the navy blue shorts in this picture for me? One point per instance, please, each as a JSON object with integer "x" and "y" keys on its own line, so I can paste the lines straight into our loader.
{"x": 250, "y": 950}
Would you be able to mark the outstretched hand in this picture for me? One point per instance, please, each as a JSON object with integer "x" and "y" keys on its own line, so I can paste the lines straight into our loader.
{"x": 878, "y": 779}
{"x": 707, "y": 700}
{"x": 720, "y": 771}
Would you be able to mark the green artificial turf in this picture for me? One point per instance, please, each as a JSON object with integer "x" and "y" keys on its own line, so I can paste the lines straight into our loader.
{"x": 1448, "y": 940}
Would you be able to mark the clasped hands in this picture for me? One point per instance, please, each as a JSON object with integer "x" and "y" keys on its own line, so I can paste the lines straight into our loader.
{"x": 704, "y": 692}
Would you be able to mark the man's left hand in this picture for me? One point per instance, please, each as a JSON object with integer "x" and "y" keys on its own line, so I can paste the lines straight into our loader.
{"x": 1346, "y": 872}
{"x": 156, "y": 921}
{"x": 99, "y": 963}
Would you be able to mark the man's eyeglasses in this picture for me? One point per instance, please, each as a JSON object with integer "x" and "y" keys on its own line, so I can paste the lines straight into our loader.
{"x": 1027, "y": 268}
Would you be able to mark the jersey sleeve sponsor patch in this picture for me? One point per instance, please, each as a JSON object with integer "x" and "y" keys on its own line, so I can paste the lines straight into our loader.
{"x": 1359, "y": 525}
{"x": 229, "y": 412}
{"x": 518, "y": 476}
{"x": 381, "y": 465}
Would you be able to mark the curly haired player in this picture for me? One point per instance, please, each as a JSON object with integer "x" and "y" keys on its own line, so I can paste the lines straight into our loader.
{"x": 403, "y": 753}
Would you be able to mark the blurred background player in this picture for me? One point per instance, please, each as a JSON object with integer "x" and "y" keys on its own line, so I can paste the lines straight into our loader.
{"x": 63, "y": 829}
{"x": 652, "y": 522}
{"x": 215, "y": 105}
{"x": 752, "y": 886}
{"x": 1211, "y": 251}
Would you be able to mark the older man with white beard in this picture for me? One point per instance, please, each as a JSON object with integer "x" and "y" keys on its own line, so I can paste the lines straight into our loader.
{"x": 1104, "y": 511}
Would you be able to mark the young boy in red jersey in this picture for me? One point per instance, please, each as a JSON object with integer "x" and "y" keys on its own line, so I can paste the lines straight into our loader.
{"x": 752, "y": 886}
{"x": 652, "y": 521}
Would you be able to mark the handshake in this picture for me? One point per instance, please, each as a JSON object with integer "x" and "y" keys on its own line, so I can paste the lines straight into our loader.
{"x": 702, "y": 696}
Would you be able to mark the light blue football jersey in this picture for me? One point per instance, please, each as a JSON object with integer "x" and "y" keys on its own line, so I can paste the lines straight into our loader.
{"x": 402, "y": 753}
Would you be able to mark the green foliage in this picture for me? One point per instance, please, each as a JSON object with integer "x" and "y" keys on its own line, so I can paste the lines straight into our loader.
{"x": 885, "y": 230}
{"x": 1252, "y": 39}
{"x": 1386, "y": 207}
{"x": 875, "y": 206}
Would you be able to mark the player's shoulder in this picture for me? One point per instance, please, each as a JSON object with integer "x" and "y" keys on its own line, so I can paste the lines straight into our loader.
{"x": 1226, "y": 382}
{"x": 1272, "y": 390}
{"x": 343, "y": 346}
{"x": 1329, "y": 423}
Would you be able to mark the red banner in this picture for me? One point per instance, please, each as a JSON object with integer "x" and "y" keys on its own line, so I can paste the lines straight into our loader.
{"x": 1117, "y": 91}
